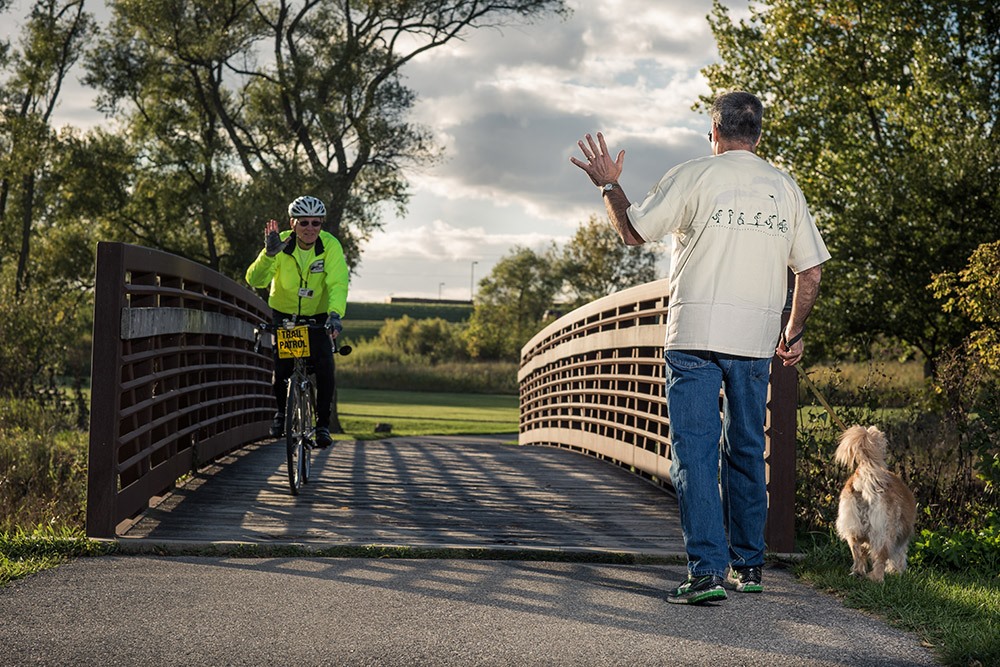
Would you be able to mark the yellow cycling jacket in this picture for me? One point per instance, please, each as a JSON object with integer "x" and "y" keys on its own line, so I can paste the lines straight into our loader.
{"x": 303, "y": 282}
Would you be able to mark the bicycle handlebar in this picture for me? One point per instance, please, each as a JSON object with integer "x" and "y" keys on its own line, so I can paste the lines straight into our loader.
{"x": 270, "y": 327}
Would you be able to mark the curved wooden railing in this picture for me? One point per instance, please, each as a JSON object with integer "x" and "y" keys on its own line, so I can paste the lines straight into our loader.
{"x": 593, "y": 382}
{"x": 175, "y": 380}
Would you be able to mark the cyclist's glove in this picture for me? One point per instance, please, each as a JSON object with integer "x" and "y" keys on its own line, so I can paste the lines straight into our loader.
{"x": 273, "y": 244}
{"x": 333, "y": 323}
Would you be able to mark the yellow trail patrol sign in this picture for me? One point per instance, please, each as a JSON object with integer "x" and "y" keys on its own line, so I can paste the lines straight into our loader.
{"x": 293, "y": 342}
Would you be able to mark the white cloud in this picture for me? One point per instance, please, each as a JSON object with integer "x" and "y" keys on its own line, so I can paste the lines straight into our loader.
{"x": 508, "y": 106}
{"x": 440, "y": 241}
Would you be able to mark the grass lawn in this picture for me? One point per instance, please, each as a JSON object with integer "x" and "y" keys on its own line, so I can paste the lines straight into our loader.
{"x": 425, "y": 413}
{"x": 955, "y": 613}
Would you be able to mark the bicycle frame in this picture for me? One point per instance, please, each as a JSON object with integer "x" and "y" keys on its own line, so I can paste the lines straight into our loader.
{"x": 300, "y": 424}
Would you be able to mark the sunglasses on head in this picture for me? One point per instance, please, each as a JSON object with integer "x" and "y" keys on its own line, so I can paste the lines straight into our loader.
{"x": 314, "y": 223}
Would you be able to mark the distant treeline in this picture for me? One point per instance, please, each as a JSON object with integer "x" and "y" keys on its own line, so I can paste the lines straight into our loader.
{"x": 449, "y": 312}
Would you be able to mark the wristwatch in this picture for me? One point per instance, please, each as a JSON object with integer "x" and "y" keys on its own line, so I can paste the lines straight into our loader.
{"x": 608, "y": 187}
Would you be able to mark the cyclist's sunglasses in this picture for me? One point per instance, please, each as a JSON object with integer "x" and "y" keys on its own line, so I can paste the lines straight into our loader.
{"x": 314, "y": 223}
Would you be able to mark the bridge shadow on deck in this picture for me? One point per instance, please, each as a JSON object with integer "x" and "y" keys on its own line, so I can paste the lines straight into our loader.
{"x": 435, "y": 491}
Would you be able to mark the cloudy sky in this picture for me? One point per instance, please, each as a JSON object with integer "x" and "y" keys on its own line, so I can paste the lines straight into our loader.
{"x": 508, "y": 107}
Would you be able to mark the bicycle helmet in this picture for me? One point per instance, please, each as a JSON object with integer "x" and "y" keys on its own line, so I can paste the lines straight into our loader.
{"x": 306, "y": 207}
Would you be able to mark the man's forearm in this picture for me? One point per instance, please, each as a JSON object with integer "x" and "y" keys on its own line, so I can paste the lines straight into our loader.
{"x": 803, "y": 299}
{"x": 617, "y": 205}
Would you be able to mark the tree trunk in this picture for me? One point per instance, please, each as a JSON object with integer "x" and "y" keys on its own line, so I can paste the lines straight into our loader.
{"x": 206, "y": 218}
{"x": 27, "y": 196}
{"x": 4, "y": 192}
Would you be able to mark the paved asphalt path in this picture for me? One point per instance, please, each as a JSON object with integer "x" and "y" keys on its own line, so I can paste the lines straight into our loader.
{"x": 192, "y": 611}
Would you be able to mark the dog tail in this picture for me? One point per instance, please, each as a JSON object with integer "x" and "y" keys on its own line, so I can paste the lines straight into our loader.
{"x": 859, "y": 445}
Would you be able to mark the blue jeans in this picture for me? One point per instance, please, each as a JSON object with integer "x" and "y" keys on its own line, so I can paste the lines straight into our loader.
{"x": 716, "y": 500}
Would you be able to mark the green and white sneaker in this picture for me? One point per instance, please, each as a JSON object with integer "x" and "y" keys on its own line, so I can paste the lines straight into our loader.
{"x": 746, "y": 579}
{"x": 698, "y": 590}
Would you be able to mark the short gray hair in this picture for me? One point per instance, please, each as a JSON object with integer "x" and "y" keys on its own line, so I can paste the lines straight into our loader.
{"x": 738, "y": 116}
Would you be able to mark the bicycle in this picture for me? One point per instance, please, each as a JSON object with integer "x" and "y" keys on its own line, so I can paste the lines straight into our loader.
{"x": 292, "y": 339}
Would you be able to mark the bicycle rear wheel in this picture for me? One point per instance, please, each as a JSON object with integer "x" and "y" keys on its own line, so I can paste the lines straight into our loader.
{"x": 294, "y": 439}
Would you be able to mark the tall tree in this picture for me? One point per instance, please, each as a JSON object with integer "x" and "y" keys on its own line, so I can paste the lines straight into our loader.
{"x": 512, "y": 303}
{"x": 308, "y": 94}
{"x": 53, "y": 40}
{"x": 154, "y": 67}
{"x": 596, "y": 263}
{"x": 886, "y": 112}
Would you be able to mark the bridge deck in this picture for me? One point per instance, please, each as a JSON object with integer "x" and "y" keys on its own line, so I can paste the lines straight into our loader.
{"x": 448, "y": 491}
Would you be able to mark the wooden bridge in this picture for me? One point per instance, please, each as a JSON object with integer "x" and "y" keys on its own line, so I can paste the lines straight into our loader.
{"x": 427, "y": 492}
{"x": 179, "y": 389}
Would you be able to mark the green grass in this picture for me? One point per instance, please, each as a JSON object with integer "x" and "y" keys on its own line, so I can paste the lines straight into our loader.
{"x": 893, "y": 382}
{"x": 956, "y": 613}
{"x": 23, "y": 552}
{"x": 425, "y": 413}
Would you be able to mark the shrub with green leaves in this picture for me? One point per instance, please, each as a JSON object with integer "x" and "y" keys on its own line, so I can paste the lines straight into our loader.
{"x": 940, "y": 456}
{"x": 960, "y": 550}
{"x": 435, "y": 339}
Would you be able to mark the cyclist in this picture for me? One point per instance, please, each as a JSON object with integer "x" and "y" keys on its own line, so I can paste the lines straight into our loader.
{"x": 308, "y": 281}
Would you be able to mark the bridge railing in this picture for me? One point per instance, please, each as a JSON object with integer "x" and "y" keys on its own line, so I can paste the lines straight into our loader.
{"x": 175, "y": 379}
{"x": 593, "y": 381}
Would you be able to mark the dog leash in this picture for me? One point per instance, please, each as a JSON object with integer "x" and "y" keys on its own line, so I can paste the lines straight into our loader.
{"x": 815, "y": 390}
{"x": 822, "y": 400}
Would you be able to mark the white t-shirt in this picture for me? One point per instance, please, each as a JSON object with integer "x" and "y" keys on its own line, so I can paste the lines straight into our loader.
{"x": 737, "y": 223}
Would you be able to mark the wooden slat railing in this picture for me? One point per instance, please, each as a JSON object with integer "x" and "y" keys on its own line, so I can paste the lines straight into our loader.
{"x": 175, "y": 379}
{"x": 593, "y": 381}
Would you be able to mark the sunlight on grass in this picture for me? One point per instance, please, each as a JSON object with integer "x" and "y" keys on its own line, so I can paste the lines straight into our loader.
{"x": 958, "y": 614}
{"x": 425, "y": 413}
{"x": 26, "y": 552}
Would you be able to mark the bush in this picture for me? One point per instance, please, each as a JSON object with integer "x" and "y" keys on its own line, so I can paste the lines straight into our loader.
{"x": 941, "y": 458}
{"x": 40, "y": 330}
{"x": 423, "y": 355}
{"x": 43, "y": 467}
{"x": 433, "y": 339}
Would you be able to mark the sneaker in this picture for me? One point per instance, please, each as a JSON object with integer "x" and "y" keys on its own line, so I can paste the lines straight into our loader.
{"x": 697, "y": 590}
{"x": 746, "y": 579}
{"x": 278, "y": 425}
{"x": 323, "y": 438}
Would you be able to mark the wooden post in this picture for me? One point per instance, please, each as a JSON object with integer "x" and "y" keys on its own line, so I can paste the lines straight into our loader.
{"x": 102, "y": 469}
{"x": 782, "y": 408}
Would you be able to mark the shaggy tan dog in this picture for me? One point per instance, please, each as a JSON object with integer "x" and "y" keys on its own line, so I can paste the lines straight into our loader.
{"x": 877, "y": 511}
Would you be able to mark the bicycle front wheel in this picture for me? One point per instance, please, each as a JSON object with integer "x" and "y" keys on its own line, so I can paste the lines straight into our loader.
{"x": 295, "y": 426}
{"x": 308, "y": 399}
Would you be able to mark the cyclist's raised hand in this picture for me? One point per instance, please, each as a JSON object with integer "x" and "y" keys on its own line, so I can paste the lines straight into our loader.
{"x": 272, "y": 240}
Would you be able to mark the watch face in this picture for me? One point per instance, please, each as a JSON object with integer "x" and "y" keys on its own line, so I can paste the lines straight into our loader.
{"x": 609, "y": 186}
